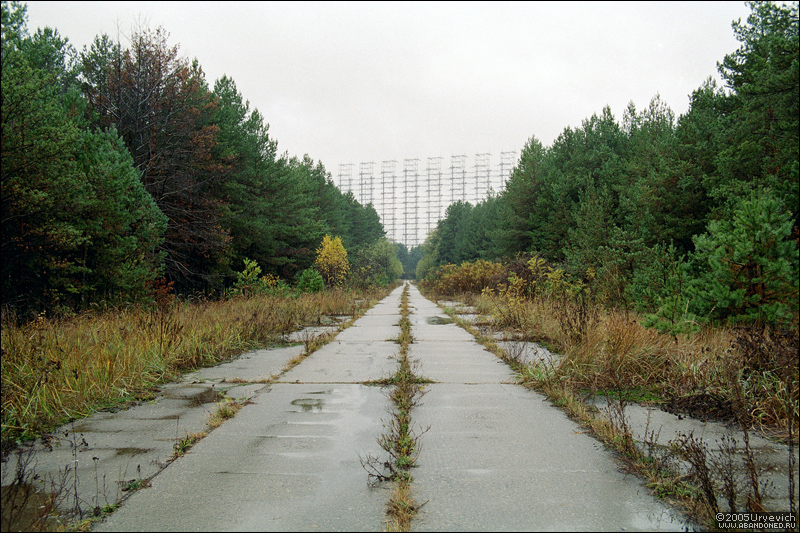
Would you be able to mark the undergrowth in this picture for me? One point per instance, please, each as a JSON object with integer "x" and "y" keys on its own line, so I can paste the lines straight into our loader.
{"x": 60, "y": 369}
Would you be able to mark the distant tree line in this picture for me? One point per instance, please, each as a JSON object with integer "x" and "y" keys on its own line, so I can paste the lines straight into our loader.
{"x": 695, "y": 215}
{"x": 121, "y": 166}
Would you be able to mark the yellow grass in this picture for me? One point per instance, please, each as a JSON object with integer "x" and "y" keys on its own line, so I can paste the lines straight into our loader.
{"x": 616, "y": 352}
{"x": 54, "y": 370}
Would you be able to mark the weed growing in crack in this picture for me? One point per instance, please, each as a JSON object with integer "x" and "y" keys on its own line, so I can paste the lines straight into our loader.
{"x": 186, "y": 442}
{"x": 694, "y": 452}
{"x": 399, "y": 440}
{"x": 312, "y": 343}
{"x": 402, "y": 508}
{"x": 225, "y": 410}
{"x": 135, "y": 484}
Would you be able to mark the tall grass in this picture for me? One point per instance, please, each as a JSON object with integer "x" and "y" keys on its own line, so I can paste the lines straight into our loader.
{"x": 614, "y": 352}
{"x": 58, "y": 369}
{"x": 748, "y": 374}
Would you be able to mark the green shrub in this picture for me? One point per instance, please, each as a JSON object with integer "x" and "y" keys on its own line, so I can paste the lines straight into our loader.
{"x": 310, "y": 280}
{"x": 746, "y": 269}
{"x": 247, "y": 280}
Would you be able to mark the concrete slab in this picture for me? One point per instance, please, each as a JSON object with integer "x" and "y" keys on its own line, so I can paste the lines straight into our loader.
{"x": 241, "y": 391}
{"x": 309, "y": 333}
{"x": 287, "y": 462}
{"x": 432, "y": 326}
{"x": 651, "y": 424}
{"x": 96, "y": 455}
{"x": 457, "y": 307}
{"x": 346, "y": 362}
{"x": 458, "y": 362}
{"x": 497, "y": 457}
{"x": 373, "y": 333}
{"x": 250, "y": 366}
{"x": 529, "y": 352}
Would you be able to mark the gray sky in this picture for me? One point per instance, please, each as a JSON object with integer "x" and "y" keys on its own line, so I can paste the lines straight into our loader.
{"x": 357, "y": 82}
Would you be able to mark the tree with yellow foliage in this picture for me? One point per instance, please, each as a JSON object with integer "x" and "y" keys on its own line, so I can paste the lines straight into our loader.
{"x": 332, "y": 262}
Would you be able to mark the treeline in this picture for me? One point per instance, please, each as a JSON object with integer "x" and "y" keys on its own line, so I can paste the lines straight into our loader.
{"x": 692, "y": 218}
{"x": 121, "y": 166}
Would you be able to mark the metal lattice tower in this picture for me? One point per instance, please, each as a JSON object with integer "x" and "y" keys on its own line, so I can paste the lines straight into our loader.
{"x": 458, "y": 178}
{"x": 346, "y": 177}
{"x": 388, "y": 196}
{"x": 411, "y": 204}
{"x": 508, "y": 161}
{"x": 366, "y": 178}
{"x": 483, "y": 176}
{"x": 434, "y": 199}
{"x": 408, "y": 209}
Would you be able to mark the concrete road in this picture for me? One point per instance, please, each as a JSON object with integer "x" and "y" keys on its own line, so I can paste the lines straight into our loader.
{"x": 496, "y": 457}
{"x": 290, "y": 460}
{"x": 499, "y": 457}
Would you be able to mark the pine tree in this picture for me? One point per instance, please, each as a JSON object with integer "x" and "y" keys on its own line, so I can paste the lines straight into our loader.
{"x": 747, "y": 268}
{"x": 762, "y": 127}
{"x": 78, "y": 225}
{"x": 163, "y": 110}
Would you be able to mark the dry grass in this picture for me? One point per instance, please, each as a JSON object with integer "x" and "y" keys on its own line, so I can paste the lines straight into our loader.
{"x": 58, "y": 369}
{"x": 402, "y": 508}
{"x": 751, "y": 371}
{"x": 224, "y": 411}
{"x": 614, "y": 352}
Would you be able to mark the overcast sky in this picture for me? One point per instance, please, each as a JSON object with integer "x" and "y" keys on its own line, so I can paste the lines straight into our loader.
{"x": 357, "y": 82}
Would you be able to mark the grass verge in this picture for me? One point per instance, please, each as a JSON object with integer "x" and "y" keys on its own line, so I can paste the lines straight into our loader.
{"x": 60, "y": 369}
{"x": 90, "y": 362}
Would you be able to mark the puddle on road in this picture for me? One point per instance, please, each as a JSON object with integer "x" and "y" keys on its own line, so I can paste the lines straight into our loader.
{"x": 26, "y": 509}
{"x": 132, "y": 451}
{"x": 438, "y": 321}
{"x": 207, "y": 396}
{"x": 309, "y": 404}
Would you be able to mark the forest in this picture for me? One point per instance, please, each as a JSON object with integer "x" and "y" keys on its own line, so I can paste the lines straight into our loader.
{"x": 122, "y": 166}
{"x": 122, "y": 169}
{"x": 150, "y": 226}
{"x": 689, "y": 220}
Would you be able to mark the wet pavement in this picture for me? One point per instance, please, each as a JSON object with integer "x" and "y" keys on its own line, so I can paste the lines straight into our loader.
{"x": 290, "y": 460}
{"x": 653, "y": 429}
{"x": 495, "y": 457}
{"x": 287, "y": 462}
{"x": 724, "y": 443}
{"x": 93, "y": 461}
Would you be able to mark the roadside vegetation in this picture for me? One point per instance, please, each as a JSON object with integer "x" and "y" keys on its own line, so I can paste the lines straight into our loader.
{"x": 118, "y": 358}
{"x": 742, "y": 373}
{"x": 63, "y": 368}
{"x": 606, "y": 348}
{"x": 150, "y": 226}
{"x": 658, "y": 256}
